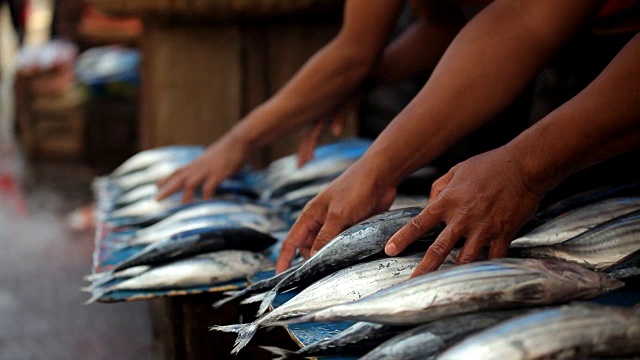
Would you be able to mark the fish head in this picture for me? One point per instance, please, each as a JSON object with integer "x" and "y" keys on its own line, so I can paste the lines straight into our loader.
{"x": 578, "y": 281}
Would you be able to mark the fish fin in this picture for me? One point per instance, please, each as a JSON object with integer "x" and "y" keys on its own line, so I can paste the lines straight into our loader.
{"x": 245, "y": 333}
{"x": 237, "y": 294}
{"x": 254, "y": 298}
{"x": 88, "y": 289}
{"x": 97, "y": 294}
{"x": 231, "y": 292}
{"x": 267, "y": 300}
{"x": 281, "y": 353}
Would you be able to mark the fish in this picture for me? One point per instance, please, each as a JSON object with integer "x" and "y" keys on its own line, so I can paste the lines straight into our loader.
{"x": 480, "y": 286}
{"x": 577, "y": 221}
{"x": 199, "y": 241}
{"x": 357, "y": 339}
{"x": 206, "y": 208}
{"x": 597, "y": 248}
{"x": 587, "y": 197}
{"x": 249, "y": 220}
{"x": 343, "y": 286}
{"x": 573, "y": 331}
{"x": 102, "y": 278}
{"x": 323, "y": 170}
{"x": 362, "y": 240}
{"x": 427, "y": 341}
{"x": 350, "y": 148}
{"x": 137, "y": 194}
{"x": 149, "y": 157}
{"x": 143, "y": 213}
{"x": 205, "y": 269}
{"x": 296, "y": 199}
{"x": 150, "y": 175}
{"x": 628, "y": 266}
{"x": 403, "y": 201}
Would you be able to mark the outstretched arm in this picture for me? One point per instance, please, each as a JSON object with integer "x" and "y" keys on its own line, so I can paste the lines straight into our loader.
{"x": 493, "y": 57}
{"x": 323, "y": 82}
{"x": 489, "y": 197}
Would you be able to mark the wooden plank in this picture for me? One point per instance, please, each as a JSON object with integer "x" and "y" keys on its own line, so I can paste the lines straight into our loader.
{"x": 191, "y": 83}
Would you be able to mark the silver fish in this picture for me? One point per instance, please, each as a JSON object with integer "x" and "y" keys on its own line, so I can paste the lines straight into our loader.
{"x": 598, "y": 248}
{"x": 574, "y": 331}
{"x": 146, "y": 207}
{"x": 249, "y": 220}
{"x": 207, "y": 208}
{"x": 149, "y": 175}
{"x": 299, "y": 197}
{"x": 328, "y": 168}
{"x": 149, "y": 157}
{"x": 204, "y": 269}
{"x": 136, "y": 194}
{"x": 484, "y": 285}
{"x": 102, "y": 278}
{"x": 577, "y": 221}
{"x": 403, "y": 201}
{"x": 343, "y": 286}
{"x": 362, "y": 240}
{"x": 425, "y": 342}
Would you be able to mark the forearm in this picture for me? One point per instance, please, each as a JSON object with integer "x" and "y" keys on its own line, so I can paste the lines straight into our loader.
{"x": 600, "y": 122}
{"x": 328, "y": 77}
{"x": 486, "y": 66}
{"x": 420, "y": 47}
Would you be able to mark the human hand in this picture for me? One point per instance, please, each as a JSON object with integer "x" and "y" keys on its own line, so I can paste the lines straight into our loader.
{"x": 352, "y": 197}
{"x": 484, "y": 199}
{"x": 336, "y": 122}
{"x": 221, "y": 160}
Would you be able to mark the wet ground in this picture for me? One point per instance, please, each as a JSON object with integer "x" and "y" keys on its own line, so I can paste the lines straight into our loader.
{"x": 42, "y": 263}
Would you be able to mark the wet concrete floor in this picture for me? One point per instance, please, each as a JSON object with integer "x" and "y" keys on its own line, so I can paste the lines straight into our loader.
{"x": 42, "y": 263}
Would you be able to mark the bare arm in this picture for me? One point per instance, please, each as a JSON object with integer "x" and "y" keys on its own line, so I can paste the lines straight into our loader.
{"x": 482, "y": 71}
{"x": 489, "y": 197}
{"x": 322, "y": 83}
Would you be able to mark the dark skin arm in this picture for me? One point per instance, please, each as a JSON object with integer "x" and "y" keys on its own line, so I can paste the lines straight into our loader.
{"x": 313, "y": 93}
{"x": 493, "y": 57}
{"x": 600, "y": 122}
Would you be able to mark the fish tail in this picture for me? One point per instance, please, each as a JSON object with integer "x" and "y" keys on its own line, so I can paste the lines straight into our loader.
{"x": 254, "y": 298}
{"x": 293, "y": 320}
{"x": 244, "y": 336}
{"x": 88, "y": 288}
{"x": 235, "y": 295}
{"x": 267, "y": 300}
{"x": 281, "y": 353}
{"x": 97, "y": 294}
{"x": 245, "y": 333}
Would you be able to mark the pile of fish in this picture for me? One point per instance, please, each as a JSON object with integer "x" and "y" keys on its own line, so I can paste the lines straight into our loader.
{"x": 511, "y": 308}
{"x": 585, "y": 251}
{"x": 147, "y": 245}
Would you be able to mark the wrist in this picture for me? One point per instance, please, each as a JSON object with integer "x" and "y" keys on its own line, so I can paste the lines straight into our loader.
{"x": 533, "y": 167}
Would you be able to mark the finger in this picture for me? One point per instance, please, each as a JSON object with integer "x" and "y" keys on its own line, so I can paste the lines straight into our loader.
{"x": 190, "y": 185}
{"x": 303, "y": 230}
{"x": 440, "y": 184}
{"x": 334, "y": 224}
{"x": 438, "y": 251}
{"x": 419, "y": 225}
{"x": 309, "y": 142}
{"x": 171, "y": 188}
{"x": 471, "y": 250}
{"x": 339, "y": 120}
{"x": 209, "y": 188}
{"x": 498, "y": 248}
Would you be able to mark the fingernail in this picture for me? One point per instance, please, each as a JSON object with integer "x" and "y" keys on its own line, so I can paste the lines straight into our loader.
{"x": 313, "y": 252}
{"x": 390, "y": 249}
